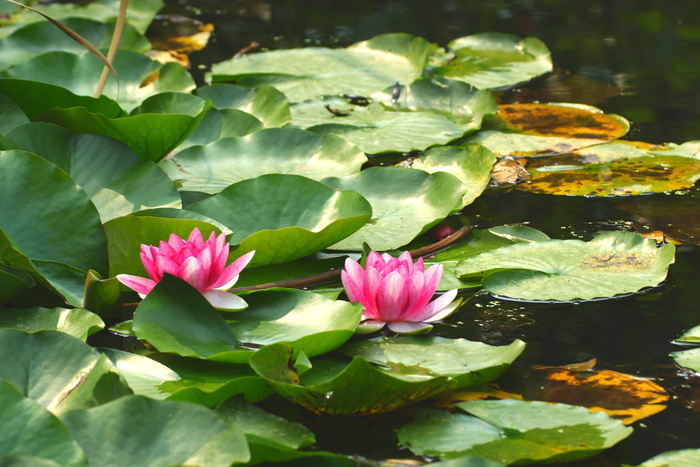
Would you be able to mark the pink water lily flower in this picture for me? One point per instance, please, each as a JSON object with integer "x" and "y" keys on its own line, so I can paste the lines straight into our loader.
{"x": 202, "y": 264}
{"x": 396, "y": 292}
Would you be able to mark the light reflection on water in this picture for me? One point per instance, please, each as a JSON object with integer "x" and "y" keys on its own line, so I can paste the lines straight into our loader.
{"x": 641, "y": 62}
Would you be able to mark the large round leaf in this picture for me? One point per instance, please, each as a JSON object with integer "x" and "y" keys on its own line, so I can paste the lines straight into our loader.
{"x": 77, "y": 322}
{"x": 285, "y": 217}
{"x": 336, "y": 387}
{"x": 405, "y": 203}
{"x": 58, "y": 371}
{"x": 493, "y": 60}
{"x": 142, "y": 374}
{"x": 610, "y": 264}
{"x": 28, "y": 429}
{"x": 136, "y": 430}
{"x": 68, "y": 238}
{"x": 362, "y": 68}
{"x": 469, "y": 363}
{"x": 212, "y": 168}
{"x": 154, "y": 129}
{"x": 13, "y": 282}
{"x": 513, "y": 432}
{"x": 11, "y": 115}
{"x": 265, "y": 102}
{"x": 117, "y": 180}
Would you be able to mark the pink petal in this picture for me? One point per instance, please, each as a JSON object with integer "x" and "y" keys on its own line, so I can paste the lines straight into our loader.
{"x": 196, "y": 239}
{"x": 432, "y": 311}
{"x": 353, "y": 277}
{"x": 229, "y": 275}
{"x": 165, "y": 265}
{"x": 175, "y": 242}
{"x": 193, "y": 272}
{"x": 374, "y": 260}
{"x": 224, "y": 300}
{"x": 392, "y": 297}
{"x": 417, "y": 299}
{"x": 141, "y": 285}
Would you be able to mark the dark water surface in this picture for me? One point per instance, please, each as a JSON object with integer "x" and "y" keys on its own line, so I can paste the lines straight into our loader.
{"x": 640, "y": 59}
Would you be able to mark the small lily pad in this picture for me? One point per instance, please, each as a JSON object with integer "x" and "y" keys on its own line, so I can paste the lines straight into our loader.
{"x": 493, "y": 60}
{"x": 77, "y": 322}
{"x": 610, "y": 264}
{"x": 513, "y": 432}
{"x": 681, "y": 458}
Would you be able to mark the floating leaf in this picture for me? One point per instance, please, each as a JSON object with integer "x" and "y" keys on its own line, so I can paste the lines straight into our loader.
{"x": 76, "y": 322}
{"x": 264, "y": 102}
{"x": 469, "y": 363}
{"x": 117, "y": 180}
{"x": 153, "y": 130}
{"x": 512, "y": 432}
{"x": 102, "y": 296}
{"x": 624, "y": 397}
{"x": 363, "y": 68}
{"x": 13, "y": 282}
{"x": 142, "y": 374}
{"x": 339, "y": 388}
{"x": 58, "y": 371}
{"x": 212, "y": 168}
{"x": 493, "y": 60}
{"x": 57, "y": 254}
{"x": 610, "y": 264}
{"x": 28, "y": 429}
{"x": 263, "y": 220}
{"x": 616, "y": 168}
{"x": 157, "y": 433}
{"x": 681, "y": 458}
{"x": 405, "y": 203}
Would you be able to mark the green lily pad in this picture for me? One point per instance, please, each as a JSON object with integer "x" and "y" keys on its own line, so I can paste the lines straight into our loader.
{"x": 102, "y": 296}
{"x": 36, "y": 98}
{"x": 493, "y": 60}
{"x": 41, "y": 37}
{"x": 266, "y": 103}
{"x": 80, "y": 73}
{"x": 262, "y": 218}
{"x": 142, "y": 374}
{"x": 680, "y": 458}
{"x": 57, "y": 254}
{"x": 117, "y": 180}
{"x": 610, "y": 264}
{"x": 472, "y": 164}
{"x": 615, "y": 168}
{"x": 363, "y": 68}
{"x": 11, "y": 114}
{"x": 30, "y": 430}
{"x": 154, "y": 128}
{"x": 156, "y": 433}
{"x": 405, "y": 203}
{"x": 58, "y": 371}
{"x": 210, "y": 383}
{"x": 125, "y": 235}
{"x": 13, "y": 282}
{"x": 218, "y": 124}
{"x": 337, "y": 387}
{"x": 212, "y": 168}
{"x": 689, "y": 358}
{"x": 469, "y": 363}
{"x": 479, "y": 240}
{"x": 77, "y": 322}
{"x": 513, "y": 432}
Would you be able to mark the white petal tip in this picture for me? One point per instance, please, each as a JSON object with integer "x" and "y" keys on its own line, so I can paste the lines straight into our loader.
{"x": 225, "y": 301}
{"x": 408, "y": 327}
{"x": 369, "y": 327}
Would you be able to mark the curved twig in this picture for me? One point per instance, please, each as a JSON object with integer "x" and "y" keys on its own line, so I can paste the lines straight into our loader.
{"x": 328, "y": 276}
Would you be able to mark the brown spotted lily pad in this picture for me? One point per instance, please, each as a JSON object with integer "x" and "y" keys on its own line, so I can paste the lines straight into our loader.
{"x": 522, "y": 130}
{"x": 615, "y": 168}
{"x": 610, "y": 264}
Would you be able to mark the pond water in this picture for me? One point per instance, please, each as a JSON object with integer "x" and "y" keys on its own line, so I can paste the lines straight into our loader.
{"x": 640, "y": 59}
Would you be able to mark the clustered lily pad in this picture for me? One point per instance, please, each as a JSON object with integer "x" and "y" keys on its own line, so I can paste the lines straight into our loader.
{"x": 286, "y": 163}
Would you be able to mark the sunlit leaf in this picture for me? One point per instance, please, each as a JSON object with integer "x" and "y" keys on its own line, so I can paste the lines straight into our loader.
{"x": 610, "y": 264}
{"x": 264, "y": 102}
{"x": 77, "y": 322}
{"x": 213, "y": 167}
{"x": 30, "y": 430}
{"x": 512, "y": 431}
{"x": 117, "y": 180}
{"x": 142, "y": 374}
{"x": 681, "y": 458}
{"x": 58, "y": 371}
{"x": 263, "y": 219}
{"x": 493, "y": 60}
{"x": 405, "y": 203}
{"x": 157, "y": 433}
{"x": 363, "y": 68}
